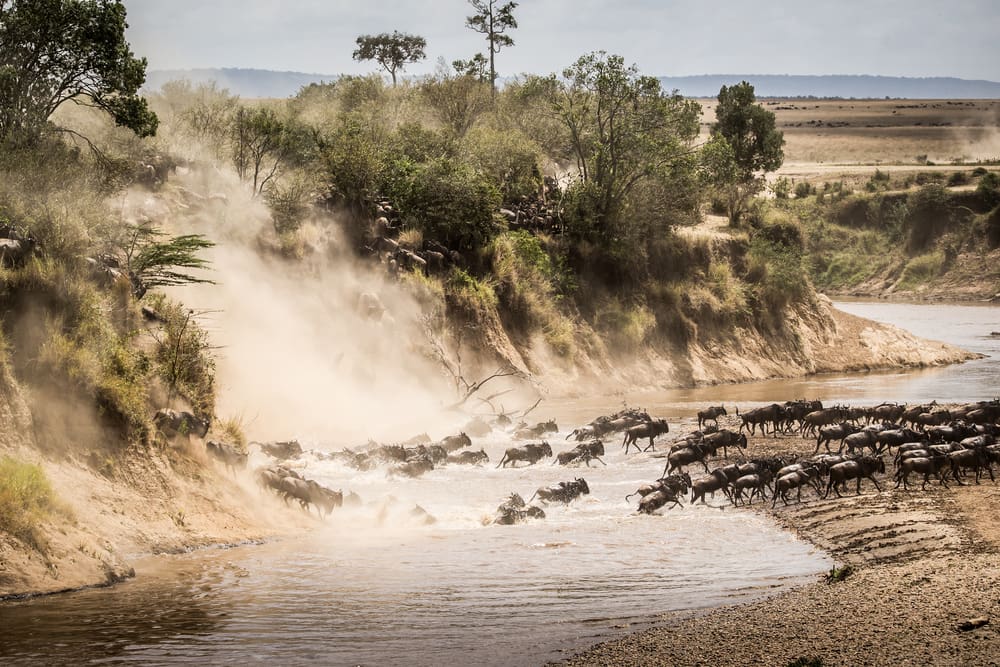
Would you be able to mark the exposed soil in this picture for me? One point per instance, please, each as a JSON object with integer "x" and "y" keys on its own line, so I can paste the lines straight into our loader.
{"x": 924, "y": 563}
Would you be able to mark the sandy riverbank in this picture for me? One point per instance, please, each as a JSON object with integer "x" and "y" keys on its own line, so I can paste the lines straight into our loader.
{"x": 924, "y": 562}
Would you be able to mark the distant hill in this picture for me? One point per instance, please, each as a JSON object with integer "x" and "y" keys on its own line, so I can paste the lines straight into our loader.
{"x": 858, "y": 86}
{"x": 249, "y": 83}
{"x": 268, "y": 83}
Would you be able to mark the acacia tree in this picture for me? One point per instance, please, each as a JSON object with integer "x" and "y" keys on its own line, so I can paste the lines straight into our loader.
{"x": 55, "y": 51}
{"x": 493, "y": 21}
{"x": 259, "y": 144}
{"x": 745, "y": 145}
{"x": 623, "y": 130}
{"x": 392, "y": 52}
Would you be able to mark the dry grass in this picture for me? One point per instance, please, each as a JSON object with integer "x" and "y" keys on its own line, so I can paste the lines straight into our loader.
{"x": 883, "y": 131}
{"x": 26, "y": 499}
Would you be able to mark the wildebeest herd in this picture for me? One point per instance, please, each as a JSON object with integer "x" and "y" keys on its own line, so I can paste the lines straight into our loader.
{"x": 923, "y": 441}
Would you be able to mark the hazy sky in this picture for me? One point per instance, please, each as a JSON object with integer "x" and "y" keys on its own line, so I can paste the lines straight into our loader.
{"x": 663, "y": 37}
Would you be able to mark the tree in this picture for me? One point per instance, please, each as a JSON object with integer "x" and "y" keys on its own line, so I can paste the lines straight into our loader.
{"x": 754, "y": 147}
{"x": 55, "y": 51}
{"x": 474, "y": 67}
{"x": 493, "y": 22}
{"x": 152, "y": 260}
{"x": 392, "y": 52}
{"x": 623, "y": 130}
{"x": 258, "y": 141}
{"x": 457, "y": 101}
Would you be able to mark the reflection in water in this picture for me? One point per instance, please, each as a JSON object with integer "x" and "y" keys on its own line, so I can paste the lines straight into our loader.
{"x": 459, "y": 592}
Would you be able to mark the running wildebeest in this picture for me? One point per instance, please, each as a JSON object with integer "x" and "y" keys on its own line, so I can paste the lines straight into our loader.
{"x": 650, "y": 430}
{"x": 174, "y": 423}
{"x": 564, "y": 492}
{"x": 532, "y": 453}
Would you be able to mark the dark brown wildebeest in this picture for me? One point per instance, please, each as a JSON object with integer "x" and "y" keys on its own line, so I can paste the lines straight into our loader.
{"x": 651, "y": 430}
{"x": 536, "y": 431}
{"x": 658, "y": 499}
{"x": 724, "y": 439}
{"x": 563, "y": 492}
{"x": 835, "y": 432}
{"x": 717, "y": 480}
{"x": 711, "y": 413}
{"x": 531, "y": 453}
{"x": 175, "y": 423}
{"x": 676, "y": 484}
{"x": 865, "y": 466}
{"x": 469, "y": 458}
{"x": 585, "y": 452}
{"x": 514, "y": 510}
{"x": 686, "y": 456}
{"x": 926, "y": 465}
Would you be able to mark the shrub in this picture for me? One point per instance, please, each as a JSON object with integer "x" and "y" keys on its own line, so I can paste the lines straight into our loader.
{"x": 507, "y": 157}
{"x": 922, "y": 268}
{"x": 468, "y": 294}
{"x": 26, "y": 498}
{"x": 928, "y": 215}
{"x": 958, "y": 178}
{"x": 781, "y": 188}
{"x": 182, "y": 356}
{"x": 449, "y": 203}
{"x": 803, "y": 190}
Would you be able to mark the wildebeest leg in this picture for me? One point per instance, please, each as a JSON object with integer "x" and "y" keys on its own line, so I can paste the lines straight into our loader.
{"x": 874, "y": 481}
{"x": 598, "y": 458}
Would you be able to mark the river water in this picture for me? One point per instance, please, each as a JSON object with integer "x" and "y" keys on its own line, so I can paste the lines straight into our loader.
{"x": 373, "y": 585}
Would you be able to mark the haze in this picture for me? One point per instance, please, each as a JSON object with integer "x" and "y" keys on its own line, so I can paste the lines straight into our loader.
{"x": 916, "y": 38}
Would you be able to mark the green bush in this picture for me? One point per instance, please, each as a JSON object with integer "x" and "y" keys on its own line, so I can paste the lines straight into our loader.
{"x": 26, "y": 499}
{"x": 929, "y": 213}
{"x": 958, "y": 178}
{"x": 922, "y": 268}
{"x": 449, "y": 203}
{"x": 507, "y": 157}
{"x": 803, "y": 190}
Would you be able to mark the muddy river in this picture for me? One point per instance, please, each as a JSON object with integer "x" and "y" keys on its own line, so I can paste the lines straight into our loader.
{"x": 373, "y": 585}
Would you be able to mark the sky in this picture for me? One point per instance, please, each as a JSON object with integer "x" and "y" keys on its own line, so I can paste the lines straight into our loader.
{"x": 916, "y": 38}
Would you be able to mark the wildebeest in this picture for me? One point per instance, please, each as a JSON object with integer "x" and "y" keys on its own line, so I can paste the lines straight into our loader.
{"x": 711, "y": 413}
{"x": 658, "y": 499}
{"x": 174, "y": 423}
{"x": 756, "y": 483}
{"x": 585, "y": 452}
{"x": 563, "y": 492}
{"x": 650, "y": 430}
{"x": 514, "y": 510}
{"x": 536, "y": 431}
{"x": 974, "y": 458}
{"x": 686, "y": 456}
{"x": 925, "y": 465}
{"x": 414, "y": 468}
{"x": 866, "y": 466}
{"x": 469, "y": 458}
{"x": 724, "y": 439}
{"x": 769, "y": 414}
{"x": 532, "y": 453}
{"x": 715, "y": 481}
{"x": 455, "y": 442}
{"x": 827, "y": 434}
{"x": 230, "y": 455}
{"x": 282, "y": 451}
{"x": 677, "y": 483}
{"x": 795, "y": 479}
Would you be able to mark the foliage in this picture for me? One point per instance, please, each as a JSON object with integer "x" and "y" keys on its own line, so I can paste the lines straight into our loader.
{"x": 777, "y": 266}
{"x": 928, "y": 214}
{"x": 508, "y": 158}
{"x": 456, "y": 101}
{"x": 469, "y": 294}
{"x": 289, "y": 202}
{"x": 754, "y": 146}
{"x": 183, "y": 356}
{"x": 623, "y": 130}
{"x": 261, "y": 144}
{"x": 921, "y": 269}
{"x": 493, "y": 20}
{"x": 26, "y": 498}
{"x": 54, "y": 51}
{"x": 391, "y": 51}
{"x": 476, "y": 67}
{"x": 450, "y": 203}
{"x": 152, "y": 262}
{"x": 202, "y": 114}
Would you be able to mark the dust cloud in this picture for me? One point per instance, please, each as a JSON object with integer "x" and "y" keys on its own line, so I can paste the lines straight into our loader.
{"x": 302, "y": 350}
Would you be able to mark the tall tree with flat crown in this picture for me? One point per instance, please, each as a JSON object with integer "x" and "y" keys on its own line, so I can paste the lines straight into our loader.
{"x": 56, "y": 51}
{"x": 393, "y": 52}
{"x": 493, "y": 21}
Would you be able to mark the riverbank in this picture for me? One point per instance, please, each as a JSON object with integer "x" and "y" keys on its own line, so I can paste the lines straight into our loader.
{"x": 923, "y": 563}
